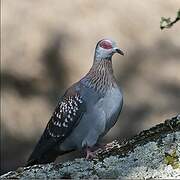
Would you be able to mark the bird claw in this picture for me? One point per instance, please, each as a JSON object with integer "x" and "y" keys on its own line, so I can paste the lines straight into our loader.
{"x": 90, "y": 154}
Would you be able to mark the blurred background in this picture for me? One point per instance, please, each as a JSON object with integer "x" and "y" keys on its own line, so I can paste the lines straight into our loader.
{"x": 48, "y": 45}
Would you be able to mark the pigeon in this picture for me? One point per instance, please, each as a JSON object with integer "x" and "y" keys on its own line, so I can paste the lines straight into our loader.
{"x": 85, "y": 113}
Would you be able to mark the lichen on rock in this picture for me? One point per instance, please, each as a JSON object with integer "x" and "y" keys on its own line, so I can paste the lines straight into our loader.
{"x": 155, "y": 158}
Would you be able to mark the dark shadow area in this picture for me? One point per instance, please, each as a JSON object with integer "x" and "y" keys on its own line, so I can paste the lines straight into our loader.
{"x": 171, "y": 89}
{"x": 54, "y": 61}
{"x": 131, "y": 119}
{"x": 23, "y": 86}
{"x": 13, "y": 150}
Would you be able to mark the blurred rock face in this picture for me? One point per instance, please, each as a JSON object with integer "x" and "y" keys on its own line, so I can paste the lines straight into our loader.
{"x": 48, "y": 45}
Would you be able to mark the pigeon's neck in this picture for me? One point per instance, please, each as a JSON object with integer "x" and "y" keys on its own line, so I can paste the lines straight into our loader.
{"x": 100, "y": 77}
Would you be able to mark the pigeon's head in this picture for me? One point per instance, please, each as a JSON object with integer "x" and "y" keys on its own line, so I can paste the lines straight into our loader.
{"x": 105, "y": 48}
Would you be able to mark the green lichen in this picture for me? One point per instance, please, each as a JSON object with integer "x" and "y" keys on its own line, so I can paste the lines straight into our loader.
{"x": 172, "y": 159}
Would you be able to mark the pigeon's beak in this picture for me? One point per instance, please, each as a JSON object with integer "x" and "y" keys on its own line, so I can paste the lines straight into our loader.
{"x": 119, "y": 51}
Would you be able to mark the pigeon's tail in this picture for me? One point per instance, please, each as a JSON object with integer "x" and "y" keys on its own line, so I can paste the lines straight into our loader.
{"x": 48, "y": 157}
{"x": 46, "y": 151}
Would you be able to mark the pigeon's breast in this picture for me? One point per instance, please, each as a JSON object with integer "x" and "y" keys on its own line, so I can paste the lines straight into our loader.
{"x": 112, "y": 105}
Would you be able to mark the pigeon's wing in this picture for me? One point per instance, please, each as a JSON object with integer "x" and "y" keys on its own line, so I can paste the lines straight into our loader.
{"x": 65, "y": 118}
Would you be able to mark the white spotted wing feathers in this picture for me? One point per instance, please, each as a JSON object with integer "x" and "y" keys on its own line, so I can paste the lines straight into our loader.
{"x": 65, "y": 116}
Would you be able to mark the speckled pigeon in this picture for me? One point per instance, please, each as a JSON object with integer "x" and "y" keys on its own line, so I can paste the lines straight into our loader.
{"x": 85, "y": 113}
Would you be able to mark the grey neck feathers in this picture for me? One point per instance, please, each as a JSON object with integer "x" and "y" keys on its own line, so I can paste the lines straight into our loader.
{"x": 100, "y": 77}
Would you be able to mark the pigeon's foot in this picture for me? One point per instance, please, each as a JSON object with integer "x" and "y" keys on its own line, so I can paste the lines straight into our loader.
{"x": 90, "y": 153}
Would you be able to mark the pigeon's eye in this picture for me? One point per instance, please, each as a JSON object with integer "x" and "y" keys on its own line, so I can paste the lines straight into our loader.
{"x": 105, "y": 44}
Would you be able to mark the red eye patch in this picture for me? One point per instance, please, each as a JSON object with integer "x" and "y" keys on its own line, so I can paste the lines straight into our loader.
{"x": 105, "y": 44}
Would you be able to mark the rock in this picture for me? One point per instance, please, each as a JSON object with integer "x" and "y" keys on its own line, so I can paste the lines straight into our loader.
{"x": 154, "y": 153}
